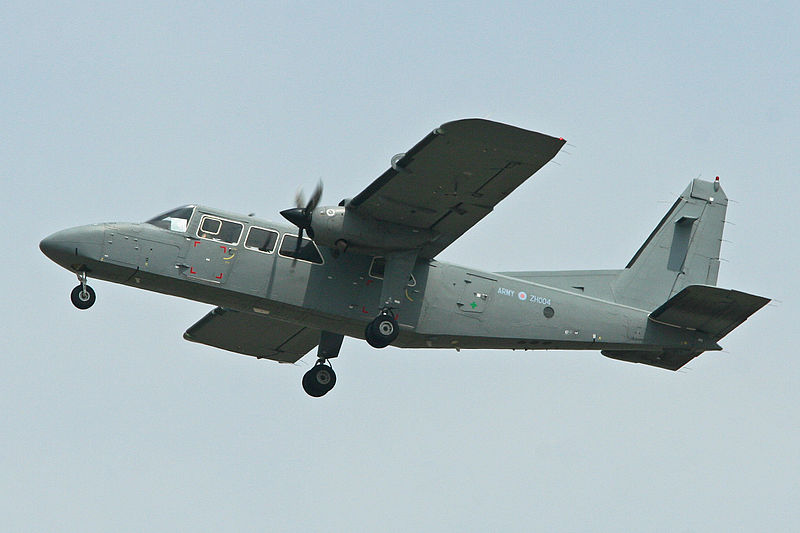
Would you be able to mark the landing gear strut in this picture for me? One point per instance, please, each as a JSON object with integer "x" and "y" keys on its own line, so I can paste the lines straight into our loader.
{"x": 382, "y": 330}
{"x": 83, "y": 296}
{"x": 319, "y": 380}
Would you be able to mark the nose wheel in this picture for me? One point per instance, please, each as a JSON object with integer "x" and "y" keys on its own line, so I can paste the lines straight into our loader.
{"x": 83, "y": 296}
{"x": 319, "y": 380}
{"x": 382, "y": 330}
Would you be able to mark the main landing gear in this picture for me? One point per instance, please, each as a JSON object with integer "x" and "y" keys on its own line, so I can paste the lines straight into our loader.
{"x": 320, "y": 379}
{"x": 382, "y": 330}
{"x": 83, "y": 296}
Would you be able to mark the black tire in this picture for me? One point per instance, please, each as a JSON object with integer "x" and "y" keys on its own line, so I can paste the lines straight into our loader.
{"x": 319, "y": 380}
{"x": 382, "y": 331}
{"x": 371, "y": 338}
{"x": 81, "y": 299}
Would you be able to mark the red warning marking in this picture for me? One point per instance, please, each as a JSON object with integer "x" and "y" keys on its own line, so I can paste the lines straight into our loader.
{"x": 364, "y": 310}
{"x": 220, "y": 276}
{"x": 196, "y": 243}
{"x": 191, "y": 270}
{"x": 369, "y": 282}
{"x": 224, "y": 249}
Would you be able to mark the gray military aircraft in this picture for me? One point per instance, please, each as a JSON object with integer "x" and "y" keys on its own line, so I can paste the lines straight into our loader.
{"x": 367, "y": 269}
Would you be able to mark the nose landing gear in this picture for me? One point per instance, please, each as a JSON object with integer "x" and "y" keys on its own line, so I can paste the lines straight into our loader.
{"x": 83, "y": 296}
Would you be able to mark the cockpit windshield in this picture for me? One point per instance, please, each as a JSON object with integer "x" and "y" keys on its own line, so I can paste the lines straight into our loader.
{"x": 175, "y": 220}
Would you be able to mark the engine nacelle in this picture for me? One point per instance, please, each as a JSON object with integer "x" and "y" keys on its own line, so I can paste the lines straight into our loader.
{"x": 339, "y": 227}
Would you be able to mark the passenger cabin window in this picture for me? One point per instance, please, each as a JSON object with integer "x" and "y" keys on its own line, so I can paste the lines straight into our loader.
{"x": 175, "y": 220}
{"x": 378, "y": 266}
{"x": 307, "y": 252}
{"x": 261, "y": 239}
{"x": 219, "y": 229}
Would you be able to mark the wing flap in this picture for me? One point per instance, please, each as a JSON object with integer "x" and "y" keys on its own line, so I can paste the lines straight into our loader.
{"x": 251, "y": 334}
{"x": 709, "y": 309}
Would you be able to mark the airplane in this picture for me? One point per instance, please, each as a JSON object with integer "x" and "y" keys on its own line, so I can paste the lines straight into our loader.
{"x": 367, "y": 268}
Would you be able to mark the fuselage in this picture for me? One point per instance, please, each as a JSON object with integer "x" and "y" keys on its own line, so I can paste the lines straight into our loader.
{"x": 255, "y": 266}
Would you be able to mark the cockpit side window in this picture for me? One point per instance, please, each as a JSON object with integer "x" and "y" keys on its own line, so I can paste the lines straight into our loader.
{"x": 175, "y": 220}
{"x": 219, "y": 229}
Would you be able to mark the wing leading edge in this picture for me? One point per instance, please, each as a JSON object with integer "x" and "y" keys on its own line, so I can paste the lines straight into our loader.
{"x": 454, "y": 177}
{"x": 255, "y": 335}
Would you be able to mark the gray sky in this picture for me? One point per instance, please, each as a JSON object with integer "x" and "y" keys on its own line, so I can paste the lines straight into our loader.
{"x": 110, "y": 421}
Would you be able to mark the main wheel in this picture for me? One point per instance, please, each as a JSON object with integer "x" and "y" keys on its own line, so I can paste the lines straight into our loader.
{"x": 82, "y": 299}
{"x": 319, "y": 380}
{"x": 381, "y": 331}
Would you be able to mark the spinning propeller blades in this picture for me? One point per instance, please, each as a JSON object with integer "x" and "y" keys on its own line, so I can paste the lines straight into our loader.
{"x": 301, "y": 215}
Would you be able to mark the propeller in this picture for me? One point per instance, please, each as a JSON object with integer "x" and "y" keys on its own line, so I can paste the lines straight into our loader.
{"x": 301, "y": 215}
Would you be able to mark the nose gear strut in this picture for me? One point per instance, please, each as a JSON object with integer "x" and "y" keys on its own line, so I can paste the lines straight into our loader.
{"x": 83, "y": 296}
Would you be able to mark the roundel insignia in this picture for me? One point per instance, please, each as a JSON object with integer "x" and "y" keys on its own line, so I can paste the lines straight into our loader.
{"x": 522, "y": 296}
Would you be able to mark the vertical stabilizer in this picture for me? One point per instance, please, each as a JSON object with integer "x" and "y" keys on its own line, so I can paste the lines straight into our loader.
{"x": 683, "y": 249}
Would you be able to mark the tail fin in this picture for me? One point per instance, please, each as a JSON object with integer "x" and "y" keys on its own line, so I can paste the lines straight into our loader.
{"x": 683, "y": 250}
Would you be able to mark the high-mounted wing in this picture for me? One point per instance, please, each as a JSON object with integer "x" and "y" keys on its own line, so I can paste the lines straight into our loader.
{"x": 255, "y": 335}
{"x": 454, "y": 177}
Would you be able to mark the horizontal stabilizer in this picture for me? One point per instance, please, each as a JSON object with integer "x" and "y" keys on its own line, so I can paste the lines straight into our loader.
{"x": 669, "y": 359}
{"x": 709, "y": 309}
{"x": 256, "y": 335}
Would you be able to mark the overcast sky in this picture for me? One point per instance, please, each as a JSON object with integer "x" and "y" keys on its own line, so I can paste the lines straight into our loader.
{"x": 110, "y": 421}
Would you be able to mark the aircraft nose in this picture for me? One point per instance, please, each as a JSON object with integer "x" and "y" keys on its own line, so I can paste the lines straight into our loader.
{"x": 73, "y": 246}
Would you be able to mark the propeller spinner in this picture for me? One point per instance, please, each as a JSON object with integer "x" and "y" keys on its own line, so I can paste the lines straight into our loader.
{"x": 301, "y": 215}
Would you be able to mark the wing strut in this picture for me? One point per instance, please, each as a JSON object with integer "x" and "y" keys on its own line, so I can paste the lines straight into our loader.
{"x": 383, "y": 330}
{"x": 329, "y": 345}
